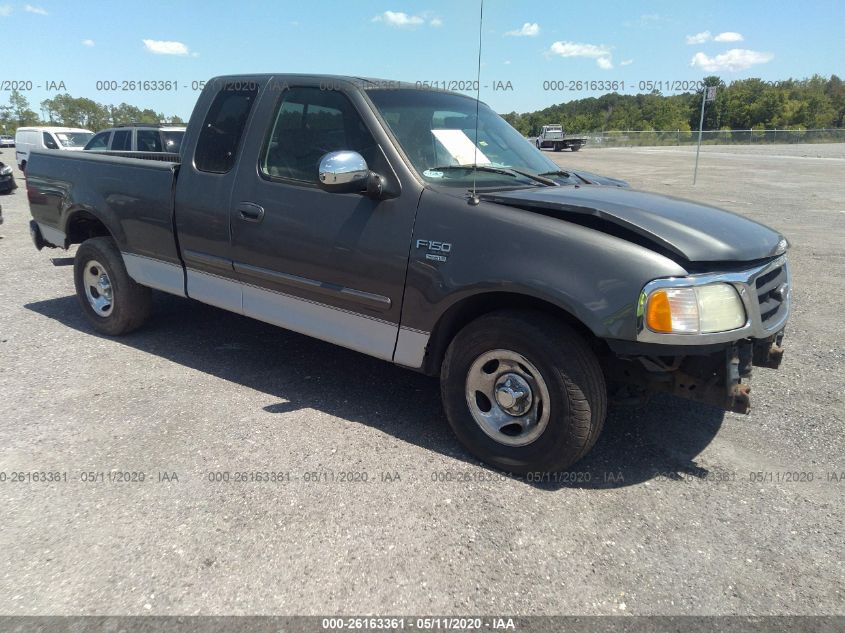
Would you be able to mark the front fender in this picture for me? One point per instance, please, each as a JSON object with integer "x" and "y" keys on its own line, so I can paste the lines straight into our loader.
{"x": 595, "y": 277}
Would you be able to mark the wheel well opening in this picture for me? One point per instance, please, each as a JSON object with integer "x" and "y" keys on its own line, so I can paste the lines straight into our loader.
{"x": 466, "y": 311}
{"x": 83, "y": 226}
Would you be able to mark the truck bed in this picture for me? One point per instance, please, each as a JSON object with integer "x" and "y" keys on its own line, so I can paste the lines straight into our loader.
{"x": 131, "y": 192}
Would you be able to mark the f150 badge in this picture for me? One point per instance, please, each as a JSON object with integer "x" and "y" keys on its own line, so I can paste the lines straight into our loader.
{"x": 437, "y": 251}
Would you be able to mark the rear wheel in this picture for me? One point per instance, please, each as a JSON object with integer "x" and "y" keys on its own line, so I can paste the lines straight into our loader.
{"x": 111, "y": 300}
{"x": 523, "y": 392}
{"x": 575, "y": 148}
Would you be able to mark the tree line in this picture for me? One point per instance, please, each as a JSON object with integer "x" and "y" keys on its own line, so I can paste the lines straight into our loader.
{"x": 812, "y": 103}
{"x": 744, "y": 104}
{"x": 67, "y": 111}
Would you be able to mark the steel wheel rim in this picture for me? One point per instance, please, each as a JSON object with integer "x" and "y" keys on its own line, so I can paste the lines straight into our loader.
{"x": 508, "y": 397}
{"x": 98, "y": 288}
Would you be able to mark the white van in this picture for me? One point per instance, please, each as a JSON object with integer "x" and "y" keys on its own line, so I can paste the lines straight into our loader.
{"x": 29, "y": 138}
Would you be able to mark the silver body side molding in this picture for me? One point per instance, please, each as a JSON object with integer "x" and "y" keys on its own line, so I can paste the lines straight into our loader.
{"x": 52, "y": 236}
{"x": 355, "y": 331}
{"x": 216, "y": 291}
{"x": 358, "y": 332}
{"x": 155, "y": 273}
{"x": 410, "y": 347}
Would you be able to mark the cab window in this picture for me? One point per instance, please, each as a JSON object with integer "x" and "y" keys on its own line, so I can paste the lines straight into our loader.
{"x": 100, "y": 141}
{"x": 310, "y": 123}
{"x": 49, "y": 141}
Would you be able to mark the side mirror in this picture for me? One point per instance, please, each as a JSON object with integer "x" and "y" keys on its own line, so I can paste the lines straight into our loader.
{"x": 347, "y": 172}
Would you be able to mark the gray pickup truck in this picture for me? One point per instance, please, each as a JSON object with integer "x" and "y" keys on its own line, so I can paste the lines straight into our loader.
{"x": 420, "y": 228}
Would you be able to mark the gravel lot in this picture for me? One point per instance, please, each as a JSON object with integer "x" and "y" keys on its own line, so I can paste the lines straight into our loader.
{"x": 666, "y": 516}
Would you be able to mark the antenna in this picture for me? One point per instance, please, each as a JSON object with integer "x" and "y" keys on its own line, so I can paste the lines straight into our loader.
{"x": 474, "y": 196}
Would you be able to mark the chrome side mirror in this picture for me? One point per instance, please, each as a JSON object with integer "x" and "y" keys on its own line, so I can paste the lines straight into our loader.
{"x": 343, "y": 172}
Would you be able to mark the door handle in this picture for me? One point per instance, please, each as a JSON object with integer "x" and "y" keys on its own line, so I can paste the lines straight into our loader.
{"x": 250, "y": 212}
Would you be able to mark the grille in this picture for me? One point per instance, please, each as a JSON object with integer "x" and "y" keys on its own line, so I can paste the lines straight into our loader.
{"x": 772, "y": 292}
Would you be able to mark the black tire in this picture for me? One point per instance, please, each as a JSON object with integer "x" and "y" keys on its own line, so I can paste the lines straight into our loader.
{"x": 558, "y": 148}
{"x": 575, "y": 148}
{"x": 131, "y": 303}
{"x": 574, "y": 379}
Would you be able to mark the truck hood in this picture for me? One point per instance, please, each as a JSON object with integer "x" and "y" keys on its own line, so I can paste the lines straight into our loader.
{"x": 683, "y": 230}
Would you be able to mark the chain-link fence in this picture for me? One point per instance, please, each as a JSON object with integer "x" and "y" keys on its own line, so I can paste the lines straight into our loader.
{"x": 637, "y": 138}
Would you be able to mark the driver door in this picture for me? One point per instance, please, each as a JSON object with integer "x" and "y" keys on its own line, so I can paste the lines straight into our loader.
{"x": 330, "y": 265}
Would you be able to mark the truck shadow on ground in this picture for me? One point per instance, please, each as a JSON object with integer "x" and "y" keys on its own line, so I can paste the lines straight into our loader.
{"x": 660, "y": 440}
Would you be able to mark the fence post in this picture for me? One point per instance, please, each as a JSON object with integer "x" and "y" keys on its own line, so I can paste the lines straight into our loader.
{"x": 679, "y": 137}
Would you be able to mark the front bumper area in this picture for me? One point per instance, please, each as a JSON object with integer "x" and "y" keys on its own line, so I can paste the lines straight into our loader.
{"x": 719, "y": 378}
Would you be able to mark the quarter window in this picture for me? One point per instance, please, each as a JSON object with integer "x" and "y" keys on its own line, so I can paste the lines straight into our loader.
{"x": 222, "y": 129}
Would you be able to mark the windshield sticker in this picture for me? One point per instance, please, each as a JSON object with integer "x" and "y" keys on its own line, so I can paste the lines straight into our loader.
{"x": 430, "y": 173}
{"x": 460, "y": 147}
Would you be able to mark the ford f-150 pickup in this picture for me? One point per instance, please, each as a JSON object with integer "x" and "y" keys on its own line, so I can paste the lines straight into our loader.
{"x": 418, "y": 227}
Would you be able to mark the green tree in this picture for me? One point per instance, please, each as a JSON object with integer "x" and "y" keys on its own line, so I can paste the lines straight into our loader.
{"x": 21, "y": 114}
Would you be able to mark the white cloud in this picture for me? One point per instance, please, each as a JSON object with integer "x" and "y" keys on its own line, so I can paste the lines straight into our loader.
{"x": 733, "y": 60}
{"x": 601, "y": 53}
{"x": 399, "y": 19}
{"x": 435, "y": 22}
{"x": 508, "y": 62}
{"x": 36, "y": 10}
{"x": 707, "y": 36}
{"x": 699, "y": 38}
{"x": 5, "y": 9}
{"x": 729, "y": 36}
{"x": 529, "y": 29}
{"x": 88, "y": 43}
{"x": 164, "y": 47}
{"x": 648, "y": 21}
{"x": 626, "y": 62}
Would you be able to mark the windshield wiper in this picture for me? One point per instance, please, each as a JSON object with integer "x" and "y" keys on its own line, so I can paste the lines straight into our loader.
{"x": 556, "y": 172}
{"x": 507, "y": 171}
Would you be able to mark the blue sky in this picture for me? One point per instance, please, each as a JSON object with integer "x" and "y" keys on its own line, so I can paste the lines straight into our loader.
{"x": 525, "y": 43}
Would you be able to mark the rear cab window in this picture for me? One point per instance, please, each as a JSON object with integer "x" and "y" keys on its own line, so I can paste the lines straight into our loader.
{"x": 223, "y": 127}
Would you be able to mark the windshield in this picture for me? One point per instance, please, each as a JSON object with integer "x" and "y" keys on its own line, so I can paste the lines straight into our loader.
{"x": 172, "y": 140}
{"x": 437, "y": 129}
{"x": 73, "y": 139}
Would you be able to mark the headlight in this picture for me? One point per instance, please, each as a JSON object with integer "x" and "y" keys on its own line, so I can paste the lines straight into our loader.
{"x": 694, "y": 309}
{"x": 6, "y": 171}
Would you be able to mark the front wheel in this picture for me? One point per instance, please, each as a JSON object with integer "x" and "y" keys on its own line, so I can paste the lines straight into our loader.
{"x": 113, "y": 302}
{"x": 523, "y": 392}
